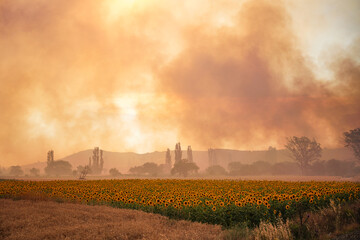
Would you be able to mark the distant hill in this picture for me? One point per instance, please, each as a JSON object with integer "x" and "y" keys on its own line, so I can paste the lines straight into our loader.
{"x": 124, "y": 160}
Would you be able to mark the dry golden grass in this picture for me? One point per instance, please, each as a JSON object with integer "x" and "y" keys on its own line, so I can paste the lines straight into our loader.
{"x": 25, "y": 219}
{"x": 334, "y": 220}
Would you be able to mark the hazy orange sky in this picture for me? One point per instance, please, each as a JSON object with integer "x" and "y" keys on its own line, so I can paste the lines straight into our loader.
{"x": 131, "y": 75}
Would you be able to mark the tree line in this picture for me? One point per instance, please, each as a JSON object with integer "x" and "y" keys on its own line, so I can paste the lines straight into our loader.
{"x": 305, "y": 152}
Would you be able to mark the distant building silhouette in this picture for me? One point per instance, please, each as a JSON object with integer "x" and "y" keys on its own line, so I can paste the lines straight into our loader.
{"x": 212, "y": 157}
{"x": 271, "y": 155}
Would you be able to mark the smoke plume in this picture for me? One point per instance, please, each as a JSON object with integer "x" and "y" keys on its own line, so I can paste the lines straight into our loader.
{"x": 143, "y": 75}
{"x": 250, "y": 84}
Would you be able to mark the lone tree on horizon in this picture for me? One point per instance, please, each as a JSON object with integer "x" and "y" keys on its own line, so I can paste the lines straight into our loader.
{"x": 352, "y": 140}
{"x": 304, "y": 151}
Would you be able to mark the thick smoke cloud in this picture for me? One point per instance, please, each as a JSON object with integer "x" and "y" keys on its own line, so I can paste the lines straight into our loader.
{"x": 140, "y": 76}
{"x": 69, "y": 76}
{"x": 250, "y": 85}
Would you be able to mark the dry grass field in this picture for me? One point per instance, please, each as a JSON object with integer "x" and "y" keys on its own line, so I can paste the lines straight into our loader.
{"x": 25, "y": 219}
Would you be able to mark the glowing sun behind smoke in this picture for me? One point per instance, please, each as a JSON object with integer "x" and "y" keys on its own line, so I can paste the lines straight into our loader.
{"x": 128, "y": 123}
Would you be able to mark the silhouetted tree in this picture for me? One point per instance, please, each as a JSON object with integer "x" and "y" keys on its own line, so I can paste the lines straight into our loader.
{"x": 303, "y": 151}
{"x": 256, "y": 168}
{"x": 137, "y": 170}
{"x": 216, "y": 170}
{"x": 285, "y": 168}
{"x": 84, "y": 172}
{"x": 189, "y": 154}
{"x": 318, "y": 168}
{"x": 96, "y": 161}
{"x": 34, "y": 172}
{"x": 59, "y": 168}
{"x": 114, "y": 172}
{"x": 148, "y": 168}
{"x": 16, "y": 171}
{"x": 260, "y": 168}
{"x": 340, "y": 168}
{"x": 163, "y": 169}
{"x": 178, "y": 153}
{"x": 80, "y": 168}
{"x": 168, "y": 158}
{"x": 334, "y": 167}
{"x": 184, "y": 167}
{"x": 237, "y": 168}
{"x": 50, "y": 157}
{"x": 352, "y": 141}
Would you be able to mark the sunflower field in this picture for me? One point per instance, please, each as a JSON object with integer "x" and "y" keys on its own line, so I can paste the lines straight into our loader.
{"x": 224, "y": 202}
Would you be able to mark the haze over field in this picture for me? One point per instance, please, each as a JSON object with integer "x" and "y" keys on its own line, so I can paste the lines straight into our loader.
{"x": 142, "y": 75}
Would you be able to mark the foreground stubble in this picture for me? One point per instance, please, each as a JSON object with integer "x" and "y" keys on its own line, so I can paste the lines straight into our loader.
{"x": 24, "y": 219}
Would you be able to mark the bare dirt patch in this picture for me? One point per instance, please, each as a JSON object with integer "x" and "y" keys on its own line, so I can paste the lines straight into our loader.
{"x": 24, "y": 219}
